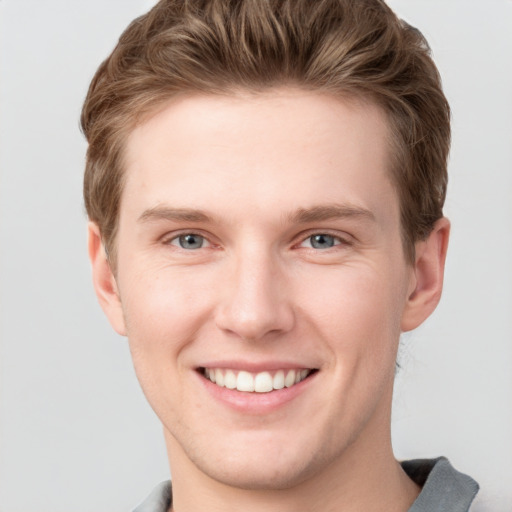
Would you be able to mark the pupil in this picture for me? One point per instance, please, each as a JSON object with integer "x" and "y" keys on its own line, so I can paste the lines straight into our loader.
{"x": 191, "y": 241}
{"x": 322, "y": 241}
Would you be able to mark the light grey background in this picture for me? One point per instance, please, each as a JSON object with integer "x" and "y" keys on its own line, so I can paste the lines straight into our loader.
{"x": 75, "y": 432}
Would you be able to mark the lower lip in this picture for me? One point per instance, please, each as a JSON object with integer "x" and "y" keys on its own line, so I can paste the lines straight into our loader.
{"x": 256, "y": 403}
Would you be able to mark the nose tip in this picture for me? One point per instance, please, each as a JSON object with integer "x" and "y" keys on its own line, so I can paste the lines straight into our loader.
{"x": 252, "y": 324}
{"x": 255, "y": 305}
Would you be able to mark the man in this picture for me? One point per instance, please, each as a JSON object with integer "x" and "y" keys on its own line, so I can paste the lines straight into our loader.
{"x": 265, "y": 183}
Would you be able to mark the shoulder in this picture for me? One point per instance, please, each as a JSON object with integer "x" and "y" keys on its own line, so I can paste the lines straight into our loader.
{"x": 159, "y": 500}
{"x": 443, "y": 487}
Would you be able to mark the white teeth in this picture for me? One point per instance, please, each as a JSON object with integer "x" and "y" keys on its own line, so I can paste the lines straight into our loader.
{"x": 262, "y": 382}
{"x": 300, "y": 375}
{"x": 278, "y": 382}
{"x": 245, "y": 382}
{"x": 230, "y": 380}
{"x": 219, "y": 377}
{"x": 290, "y": 378}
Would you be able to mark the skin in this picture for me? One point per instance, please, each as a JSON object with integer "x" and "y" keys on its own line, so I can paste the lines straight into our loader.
{"x": 267, "y": 172}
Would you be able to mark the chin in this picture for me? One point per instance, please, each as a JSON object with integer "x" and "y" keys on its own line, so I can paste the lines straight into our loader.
{"x": 260, "y": 465}
{"x": 256, "y": 476}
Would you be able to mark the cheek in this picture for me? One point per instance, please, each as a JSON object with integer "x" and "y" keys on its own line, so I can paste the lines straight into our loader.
{"x": 161, "y": 304}
{"x": 162, "y": 315}
{"x": 354, "y": 316}
{"x": 164, "y": 312}
{"x": 358, "y": 310}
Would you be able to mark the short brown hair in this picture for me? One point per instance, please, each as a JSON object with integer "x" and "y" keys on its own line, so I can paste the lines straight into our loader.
{"x": 354, "y": 47}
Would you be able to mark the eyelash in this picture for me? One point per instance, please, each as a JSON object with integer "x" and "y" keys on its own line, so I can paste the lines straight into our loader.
{"x": 338, "y": 240}
{"x": 304, "y": 237}
{"x": 176, "y": 237}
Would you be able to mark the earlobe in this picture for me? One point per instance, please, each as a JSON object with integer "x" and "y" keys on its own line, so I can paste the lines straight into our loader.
{"x": 104, "y": 281}
{"x": 428, "y": 276}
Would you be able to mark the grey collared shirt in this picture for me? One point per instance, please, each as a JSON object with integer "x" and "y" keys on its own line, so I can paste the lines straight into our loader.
{"x": 444, "y": 489}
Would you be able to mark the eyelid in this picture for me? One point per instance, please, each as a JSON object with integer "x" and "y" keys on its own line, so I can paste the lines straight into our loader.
{"x": 344, "y": 239}
{"x": 176, "y": 242}
{"x": 174, "y": 235}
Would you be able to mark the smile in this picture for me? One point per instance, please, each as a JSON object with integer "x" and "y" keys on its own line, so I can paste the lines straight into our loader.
{"x": 262, "y": 382}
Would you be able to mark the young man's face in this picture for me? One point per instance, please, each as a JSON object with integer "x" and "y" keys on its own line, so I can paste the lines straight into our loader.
{"x": 259, "y": 241}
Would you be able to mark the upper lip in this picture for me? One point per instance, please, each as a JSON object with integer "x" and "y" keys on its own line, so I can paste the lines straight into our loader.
{"x": 256, "y": 367}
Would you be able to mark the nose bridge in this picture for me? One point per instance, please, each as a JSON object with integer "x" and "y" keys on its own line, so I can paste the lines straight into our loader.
{"x": 255, "y": 303}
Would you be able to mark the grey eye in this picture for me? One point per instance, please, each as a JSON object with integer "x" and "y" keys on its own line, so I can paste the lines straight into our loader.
{"x": 189, "y": 241}
{"x": 322, "y": 241}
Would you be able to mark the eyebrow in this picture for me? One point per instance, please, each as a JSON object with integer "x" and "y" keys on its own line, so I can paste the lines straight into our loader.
{"x": 300, "y": 216}
{"x": 174, "y": 214}
{"x": 329, "y": 212}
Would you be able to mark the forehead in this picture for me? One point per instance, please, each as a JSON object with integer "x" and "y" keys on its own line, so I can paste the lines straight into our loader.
{"x": 280, "y": 149}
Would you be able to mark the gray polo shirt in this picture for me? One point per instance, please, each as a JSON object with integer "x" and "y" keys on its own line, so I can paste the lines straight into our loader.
{"x": 444, "y": 489}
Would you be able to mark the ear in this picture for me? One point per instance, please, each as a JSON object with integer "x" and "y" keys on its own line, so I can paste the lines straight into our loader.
{"x": 427, "y": 276}
{"x": 104, "y": 281}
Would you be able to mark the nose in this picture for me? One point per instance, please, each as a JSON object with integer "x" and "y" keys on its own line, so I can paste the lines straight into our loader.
{"x": 255, "y": 304}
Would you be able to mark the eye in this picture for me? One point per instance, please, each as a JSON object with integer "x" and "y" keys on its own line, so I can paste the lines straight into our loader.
{"x": 189, "y": 241}
{"x": 321, "y": 241}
